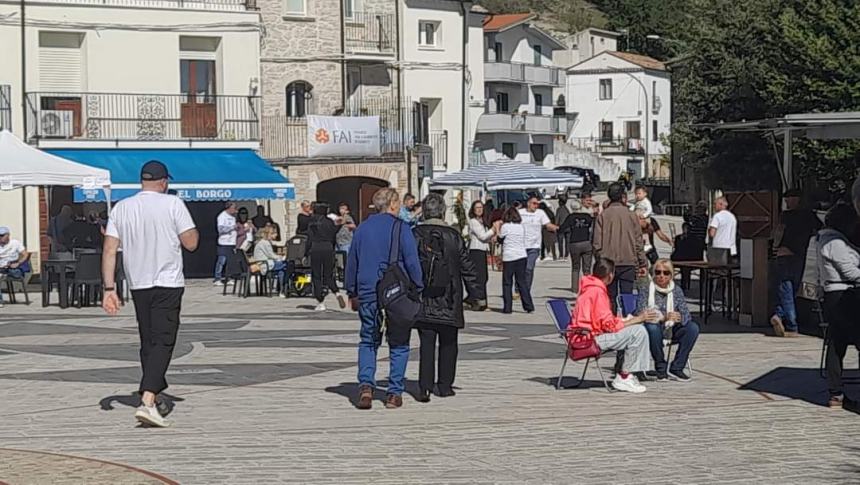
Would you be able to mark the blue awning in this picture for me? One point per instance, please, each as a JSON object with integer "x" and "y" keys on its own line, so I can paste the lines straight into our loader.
{"x": 198, "y": 174}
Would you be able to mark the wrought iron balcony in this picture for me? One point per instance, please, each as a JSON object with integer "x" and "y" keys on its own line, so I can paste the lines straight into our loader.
{"x": 369, "y": 33}
{"x": 515, "y": 72}
{"x": 522, "y": 122}
{"x": 142, "y": 117}
{"x": 617, "y": 145}
{"x": 216, "y": 5}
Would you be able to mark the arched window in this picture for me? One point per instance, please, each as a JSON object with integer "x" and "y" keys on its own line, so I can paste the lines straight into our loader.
{"x": 299, "y": 99}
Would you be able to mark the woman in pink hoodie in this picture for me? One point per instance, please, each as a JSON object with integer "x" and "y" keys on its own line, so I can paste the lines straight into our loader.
{"x": 593, "y": 313}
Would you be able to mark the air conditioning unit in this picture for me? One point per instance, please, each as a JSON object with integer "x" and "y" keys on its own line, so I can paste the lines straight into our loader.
{"x": 55, "y": 123}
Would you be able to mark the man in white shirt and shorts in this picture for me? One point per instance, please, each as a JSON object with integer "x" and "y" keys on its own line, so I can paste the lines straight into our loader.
{"x": 723, "y": 231}
{"x": 152, "y": 227}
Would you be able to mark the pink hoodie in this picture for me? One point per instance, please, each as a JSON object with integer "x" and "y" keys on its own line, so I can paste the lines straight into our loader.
{"x": 592, "y": 310}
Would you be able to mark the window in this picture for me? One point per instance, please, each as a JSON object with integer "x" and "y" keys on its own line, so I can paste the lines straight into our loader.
{"x": 295, "y": 8}
{"x": 197, "y": 80}
{"x": 606, "y": 131}
{"x": 655, "y": 131}
{"x": 606, "y": 89}
{"x": 428, "y": 33}
{"x": 350, "y": 7}
{"x": 538, "y": 55}
{"x": 633, "y": 129}
{"x": 538, "y": 104}
{"x": 502, "y": 103}
{"x": 498, "y": 52}
{"x": 60, "y": 61}
{"x": 538, "y": 152}
{"x": 299, "y": 97}
{"x": 654, "y": 94}
{"x": 509, "y": 150}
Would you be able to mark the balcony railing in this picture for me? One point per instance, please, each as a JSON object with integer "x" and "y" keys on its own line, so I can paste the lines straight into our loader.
{"x": 369, "y": 33}
{"x": 143, "y": 117}
{"x": 286, "y": 137}
{"x": 519, "y": 122}
{"x": 609, "y": 145}
{"x": 220, "y": 5}
{"x": 439, "y": 144}
{"x": 5, "y": 107}
{"x": 523, "y": 73}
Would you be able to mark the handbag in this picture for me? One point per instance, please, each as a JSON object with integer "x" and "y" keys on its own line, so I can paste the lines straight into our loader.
{"x": 584, "y": 349}
{"x": 397, "y": 295}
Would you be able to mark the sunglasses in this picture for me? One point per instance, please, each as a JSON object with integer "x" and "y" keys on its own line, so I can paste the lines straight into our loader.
{"x": 662, "y": 273}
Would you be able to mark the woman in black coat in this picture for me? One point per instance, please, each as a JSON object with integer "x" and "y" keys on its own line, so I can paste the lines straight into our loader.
{"x": 447, "y": 267}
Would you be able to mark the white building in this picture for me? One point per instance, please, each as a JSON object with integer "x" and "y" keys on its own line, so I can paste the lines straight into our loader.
{"x": 620, "y": 108}
{"x": 443, "y": 69}
{"x": 521, "y": 119}
{"x": 134, "y": 75}
{"x": 585, "y": 44}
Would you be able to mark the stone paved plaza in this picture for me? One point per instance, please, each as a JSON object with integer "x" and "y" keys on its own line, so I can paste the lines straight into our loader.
{"x": 262, "y": 389}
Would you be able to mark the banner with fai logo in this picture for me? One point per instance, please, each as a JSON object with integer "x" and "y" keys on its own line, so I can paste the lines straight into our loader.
{"x": 336, "y": 136}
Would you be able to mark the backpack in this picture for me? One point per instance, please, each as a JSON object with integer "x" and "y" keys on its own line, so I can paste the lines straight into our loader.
{"x": 434, "y": 264}
{"x": 395, "y": 292}
{"x": 580, "y": 227}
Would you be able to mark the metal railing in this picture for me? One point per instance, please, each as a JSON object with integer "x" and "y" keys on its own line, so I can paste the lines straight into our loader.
{"x": 220, "y": 5}
{"x": 491, "y": 122}
{"x": 150, "y": 117}
{"x": 286, "y": 137}
{"x": 439, "y": 144}
{"x": 369, "y": 33}
{"x": 5, "y": 107}
{"x": 522, "y": 73}
{"x": 609, "y": 145}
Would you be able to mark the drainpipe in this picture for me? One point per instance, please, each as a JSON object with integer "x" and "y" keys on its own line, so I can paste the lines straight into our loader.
{"x": 401, "y": 110}
{"x": 24, "y": 108}
{"x": 464, "y": 107}
{"x": 343, "y": 85}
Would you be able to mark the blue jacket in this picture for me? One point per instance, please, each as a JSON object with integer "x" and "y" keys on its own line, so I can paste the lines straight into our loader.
{"x": 368, "y": 256}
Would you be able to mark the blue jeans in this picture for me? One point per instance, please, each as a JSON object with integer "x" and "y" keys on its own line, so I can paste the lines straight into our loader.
{"x": 790, "y": 272}
{"x": 371, "y": 339}
{"x": 531, "y": 260}
{"x": 684, "y": 335}
{"x": 280, "y": 271}
{"x": 344, "y": 248}
{"x": 223, "y": 253}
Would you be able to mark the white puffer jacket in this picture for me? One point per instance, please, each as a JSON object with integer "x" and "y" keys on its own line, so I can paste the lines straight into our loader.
{"x": 838, "y": 261}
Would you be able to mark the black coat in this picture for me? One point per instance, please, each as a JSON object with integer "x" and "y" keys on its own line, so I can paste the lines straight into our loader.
{"x": 447, "y": 308}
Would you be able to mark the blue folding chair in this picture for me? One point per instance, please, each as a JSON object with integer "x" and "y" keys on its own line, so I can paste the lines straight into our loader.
{"x": 628, "y": 307}
{"x": 560, "y": 315}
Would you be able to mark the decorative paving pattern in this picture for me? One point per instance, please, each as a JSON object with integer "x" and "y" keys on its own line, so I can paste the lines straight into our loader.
{"x": 23, "y": 466}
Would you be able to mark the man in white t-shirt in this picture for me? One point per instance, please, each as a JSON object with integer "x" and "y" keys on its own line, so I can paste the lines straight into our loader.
{"x": 227, "y": 237}
{"x": 723, "y": 231}
{"x": 534, "y": 220}
{"x": 12, "y": 256}
{"x": 152, "y": 227}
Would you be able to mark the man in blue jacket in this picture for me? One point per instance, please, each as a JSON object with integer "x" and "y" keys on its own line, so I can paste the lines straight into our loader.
{"x": 367, "y": 261}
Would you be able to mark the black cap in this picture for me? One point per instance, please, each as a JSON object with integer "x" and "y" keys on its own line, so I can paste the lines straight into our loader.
{"x": 792, "y": 193}
{"x": 154, "y": 170}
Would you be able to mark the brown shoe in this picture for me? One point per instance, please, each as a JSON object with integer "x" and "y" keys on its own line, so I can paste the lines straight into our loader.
{"x": 777, "y": 325}
{"x": 790, "y": 334}
{"x": 393, "y": 402}
{"x": 365, "y": 397}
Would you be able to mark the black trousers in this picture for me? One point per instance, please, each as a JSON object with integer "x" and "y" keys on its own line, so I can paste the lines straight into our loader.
{"x": 510, "y": 270}
{"x": 157, "y": 310}
{"x": 624, "y": 281}
{"x": 479, "y": 259}
{"x": 839, "y": 308}
{"x": 447, "y": 336}
{"x": 322, "y": 272}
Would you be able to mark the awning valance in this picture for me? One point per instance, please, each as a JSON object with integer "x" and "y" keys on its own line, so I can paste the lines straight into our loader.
{"x": 198, "y": 174}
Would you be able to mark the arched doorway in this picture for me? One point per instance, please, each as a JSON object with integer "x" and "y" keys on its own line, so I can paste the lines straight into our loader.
{"x": 355, "y": 191}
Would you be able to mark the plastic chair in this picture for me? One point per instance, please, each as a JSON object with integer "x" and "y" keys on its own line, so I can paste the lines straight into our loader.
{"x": 237, "y": 269}
{"x": 87, "y": 279}
{"x": 27, "y": 271}
{"x": 560, "y": 315}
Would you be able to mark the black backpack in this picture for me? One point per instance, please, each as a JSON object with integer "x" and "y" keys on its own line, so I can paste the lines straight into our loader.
{"x": 395, "y": 292}
{"x": 437, "y": 274}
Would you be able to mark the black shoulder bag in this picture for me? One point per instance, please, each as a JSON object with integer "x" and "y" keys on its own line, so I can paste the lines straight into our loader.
{"x": 397, "y": 295}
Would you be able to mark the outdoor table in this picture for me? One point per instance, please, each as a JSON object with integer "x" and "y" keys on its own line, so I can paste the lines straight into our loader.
{"x": 59, "y": 267}
{"x": 706, "y": 271}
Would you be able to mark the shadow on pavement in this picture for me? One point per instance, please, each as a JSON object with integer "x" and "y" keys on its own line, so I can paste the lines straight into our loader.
{"x": 567, "y": 383}
{"x": 166, "y": 402}
{"x": 349, "y": 390}
{"x": 798, "y": 383}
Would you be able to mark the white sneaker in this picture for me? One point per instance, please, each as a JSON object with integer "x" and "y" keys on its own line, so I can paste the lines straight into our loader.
{"x": 321, "y": 307}
{"x": 150, "y": 416}
{"x": 218, "y": 283}
{"x": 631, "y": 384}
{"x": 282, "y": 295}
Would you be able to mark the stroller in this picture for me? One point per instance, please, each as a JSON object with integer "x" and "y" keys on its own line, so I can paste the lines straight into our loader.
{"x": 299, "y": 278}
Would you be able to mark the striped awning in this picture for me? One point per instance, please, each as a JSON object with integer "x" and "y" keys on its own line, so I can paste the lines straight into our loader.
{"x": 505, "y": 174}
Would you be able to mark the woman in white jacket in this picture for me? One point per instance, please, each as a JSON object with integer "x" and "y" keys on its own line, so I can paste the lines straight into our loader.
{"x": 839, "y": 274}
{"x": 480, "y": 237}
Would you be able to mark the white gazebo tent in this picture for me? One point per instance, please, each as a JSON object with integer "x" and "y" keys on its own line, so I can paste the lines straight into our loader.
{"x": 506, "y": 174}
{"x": 24, "y": 166}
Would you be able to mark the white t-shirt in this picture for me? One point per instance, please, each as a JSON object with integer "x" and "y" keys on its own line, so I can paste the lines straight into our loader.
{"x": 10, "y": 252}
{"x": 148, "y": 226}
{"x": 534, "y": 222}
{"x": 727, "y": 229}
{"x": 513, "y": 246}
{"x": 227, "y": 233}
{"x": 643, "y": 205}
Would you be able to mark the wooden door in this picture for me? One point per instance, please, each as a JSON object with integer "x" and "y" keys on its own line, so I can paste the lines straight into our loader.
{"x": 198, "y": 111}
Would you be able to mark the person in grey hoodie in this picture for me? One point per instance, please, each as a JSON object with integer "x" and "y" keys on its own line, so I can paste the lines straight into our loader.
{"x": 839, "y": 274}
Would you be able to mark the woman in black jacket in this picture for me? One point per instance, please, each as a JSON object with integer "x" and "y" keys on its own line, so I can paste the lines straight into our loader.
{"x": 322, "y": 232}
{"x": 447, "y": 267}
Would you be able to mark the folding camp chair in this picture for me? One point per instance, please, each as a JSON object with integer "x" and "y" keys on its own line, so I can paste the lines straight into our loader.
{"x": 628, "y": 307}
{"x": 560, "y": 315}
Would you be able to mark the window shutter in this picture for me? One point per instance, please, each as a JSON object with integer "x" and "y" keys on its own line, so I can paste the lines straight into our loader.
{"x": 60, "y": 69}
